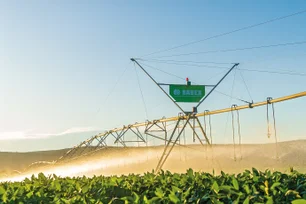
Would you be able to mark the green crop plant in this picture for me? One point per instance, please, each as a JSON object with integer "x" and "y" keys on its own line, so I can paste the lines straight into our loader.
{"x": 251, "y": 186}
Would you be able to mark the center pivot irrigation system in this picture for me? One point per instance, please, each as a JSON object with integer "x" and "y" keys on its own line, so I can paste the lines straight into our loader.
{"x": 177, "y": 93}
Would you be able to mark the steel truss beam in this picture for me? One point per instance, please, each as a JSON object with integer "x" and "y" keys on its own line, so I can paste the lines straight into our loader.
{"x": 160, "y": 126}
{"x": 134, "y": 130}
{"x": 84, "y": 148}
{"x": 152, "y": 128}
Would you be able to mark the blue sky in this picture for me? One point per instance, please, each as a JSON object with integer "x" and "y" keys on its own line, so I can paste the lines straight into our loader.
{"x": 59, "y": 61}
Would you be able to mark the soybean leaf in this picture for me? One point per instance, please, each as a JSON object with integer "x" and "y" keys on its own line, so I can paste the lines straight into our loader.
{"x": 299, "y": 201}
{"x": 235, "y": 183}
{"x": 159, "y": 193}
{"x": 173, "y": 198}
{"x": 246, "y": 201}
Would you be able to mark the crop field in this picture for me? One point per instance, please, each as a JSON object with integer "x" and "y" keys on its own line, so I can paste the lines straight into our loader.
{"x": 250, "y": 186}
{"x": 117, "y": 176}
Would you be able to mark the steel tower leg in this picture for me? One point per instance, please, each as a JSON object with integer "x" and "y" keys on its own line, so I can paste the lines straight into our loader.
{"x": 168, "y": 149}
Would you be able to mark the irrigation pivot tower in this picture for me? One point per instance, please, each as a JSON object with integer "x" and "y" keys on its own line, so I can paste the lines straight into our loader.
{"x": 178, "y": 93}
{"x": 88, "y": 147}
{"x": 186, "y": 94}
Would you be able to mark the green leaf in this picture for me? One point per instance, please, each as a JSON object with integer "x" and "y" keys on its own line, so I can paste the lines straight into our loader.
{"x": 190, "y": 173}
{"x": 246, "y": 201}
{"x": 136, "y": 197}
{"x": 237, "y": 200}
{"x": 276, "y": 184}
{"x": 255, "y": 172}
{"x": 30, "y": 194}
{"x": 176, "y": 189}
{"x": 299, "y": 201}
{"x": 215, "y": 201}
{"x": 4, "y": 197}
{"x": 128, "y": 199}
{"x": 155, "y": 200}
{"x": 235, "y": 183}
{"x": 247, "y": 189}
{"x": 159, "y": 193}
{"x": 215, "y": 187}
{"x": 38, "y": 194}
{"x": 42, "y": 177}
{"x": 78, "y": 186}
{"x": 2, "y": 190}
{"x": 57, "y": 185}
{"x": 145, "y": 200}
{"x": 186, "y": 193}
{"x": 174, "y": 198}
{"x": 85, "y": 188}
{"x": 269, "y": 200}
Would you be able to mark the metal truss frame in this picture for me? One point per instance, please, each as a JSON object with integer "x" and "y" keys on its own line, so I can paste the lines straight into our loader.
{"x": 151, "y": 127}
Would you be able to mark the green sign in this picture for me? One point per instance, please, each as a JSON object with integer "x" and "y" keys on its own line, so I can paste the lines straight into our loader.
{"x": 187, "y": 93}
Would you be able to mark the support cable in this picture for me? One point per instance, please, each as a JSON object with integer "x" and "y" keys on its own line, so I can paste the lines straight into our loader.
{"x": 143, "y": 101}
{"x": 227, "y": 117}
{"x": 236, "y": 49}
{"x": 170, "y": 74}
{"x": 113, "y": 88}
{"x": 232, "y": 115}
{"x": 227, "y": 73}
{"x": 189, "y": 64}
{"x": 184, "y": 61}
{"x": 133, "y": 60}
{"x": 244, "y": 101}
{"x": 196, "y": 83}
{"x": 275, "y": 72}
{"x": 246, "y": 86}
{"x": 231, "y": 96}
{"x": 229, "y": 32}
{"x": 285, "y": 72}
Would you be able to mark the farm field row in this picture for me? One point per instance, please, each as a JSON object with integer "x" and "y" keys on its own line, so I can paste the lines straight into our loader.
{"x": 250, "y": 186}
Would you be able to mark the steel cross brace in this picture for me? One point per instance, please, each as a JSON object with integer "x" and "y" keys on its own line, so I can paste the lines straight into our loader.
{"x": 72, "y": 151}
{"x": 96, "y": 148}
{"x": 155, "y": 123}
{"x": 90, "y": 141}
{"x": 138, "y": 134}
{"x": 82, "y": 148}
{"x": 71, "y": 154}
{"x": 149, "y": 129}
{"x": 121, "y": 142}
{"x": 101, "y": 141}
{"x": 125, "y": 130}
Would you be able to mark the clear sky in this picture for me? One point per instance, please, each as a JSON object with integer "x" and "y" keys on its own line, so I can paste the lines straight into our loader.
{"x": 60, "y": 61}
